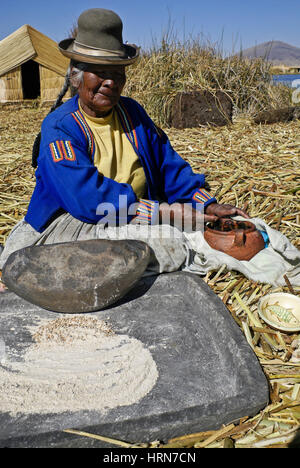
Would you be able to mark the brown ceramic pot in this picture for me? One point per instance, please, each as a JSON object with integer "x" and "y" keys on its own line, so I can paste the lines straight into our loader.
{"x": 240, "y": 239}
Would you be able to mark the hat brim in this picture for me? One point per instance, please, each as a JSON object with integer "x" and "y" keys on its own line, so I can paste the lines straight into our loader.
{"x": 131, "y": 54}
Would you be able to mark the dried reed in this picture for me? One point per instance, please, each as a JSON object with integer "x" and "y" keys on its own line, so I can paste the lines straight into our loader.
{"x": 255, "y": 167}
{"x": 173, "y": 66}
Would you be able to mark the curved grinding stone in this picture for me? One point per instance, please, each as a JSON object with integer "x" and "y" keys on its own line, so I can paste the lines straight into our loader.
{"x": 74, "y": 277}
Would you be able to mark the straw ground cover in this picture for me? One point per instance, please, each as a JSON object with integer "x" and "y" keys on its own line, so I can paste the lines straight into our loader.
{"x": 255, "y": 167}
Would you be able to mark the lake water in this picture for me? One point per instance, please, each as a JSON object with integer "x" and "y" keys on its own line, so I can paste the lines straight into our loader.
{"x": 292, "y": 81}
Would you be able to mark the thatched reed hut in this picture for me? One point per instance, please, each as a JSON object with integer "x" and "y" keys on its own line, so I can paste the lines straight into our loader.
{"x": 31, "y": 66}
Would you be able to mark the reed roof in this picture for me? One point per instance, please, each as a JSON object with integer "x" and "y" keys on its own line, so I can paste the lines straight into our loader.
{"x": 27, "y": 43}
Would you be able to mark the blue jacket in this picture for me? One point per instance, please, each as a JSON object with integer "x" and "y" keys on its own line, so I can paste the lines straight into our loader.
{"x": 67, "y": 180}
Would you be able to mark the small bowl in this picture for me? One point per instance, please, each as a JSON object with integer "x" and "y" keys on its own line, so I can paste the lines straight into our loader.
{"x": 280, "y": 311}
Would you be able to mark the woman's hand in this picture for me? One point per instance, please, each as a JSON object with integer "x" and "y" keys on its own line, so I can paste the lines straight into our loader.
{"x": 188, "y": 219}
{"x": 183, "y": 216}
{"x": 224, "y": 211}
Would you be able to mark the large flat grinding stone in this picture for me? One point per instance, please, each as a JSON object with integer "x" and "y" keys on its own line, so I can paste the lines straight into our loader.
{"x": 207, "y": 373}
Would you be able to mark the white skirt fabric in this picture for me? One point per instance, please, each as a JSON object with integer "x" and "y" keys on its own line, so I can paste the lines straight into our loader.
{"x": 172, "y": 250}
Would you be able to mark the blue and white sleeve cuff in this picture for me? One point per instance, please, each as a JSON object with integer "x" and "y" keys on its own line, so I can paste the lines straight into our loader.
{"x": 203, "y": 198}
{"x": 147, "y": 212}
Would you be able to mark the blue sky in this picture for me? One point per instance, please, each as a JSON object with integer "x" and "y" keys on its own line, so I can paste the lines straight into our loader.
{"x": 234, "y": 23}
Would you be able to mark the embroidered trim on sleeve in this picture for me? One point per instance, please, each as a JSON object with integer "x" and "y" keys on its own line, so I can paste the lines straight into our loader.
{"x": 56, "y": 152}
{"x": 70, "y": 154}
{"x": 202, "y": 196}
{"x": 62, "y": 150}
{"x": 147, "y": 212}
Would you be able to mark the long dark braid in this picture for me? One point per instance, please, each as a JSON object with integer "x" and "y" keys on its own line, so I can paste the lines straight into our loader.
{"x": 58, "y": 102}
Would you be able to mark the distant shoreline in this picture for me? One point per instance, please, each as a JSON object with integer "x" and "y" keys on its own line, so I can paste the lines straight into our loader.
{"x": 287, "y": 79}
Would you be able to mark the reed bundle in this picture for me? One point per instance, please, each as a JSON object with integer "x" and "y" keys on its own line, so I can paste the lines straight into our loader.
{"x": 254, "y": 167}
{"x": 173, "y": 66}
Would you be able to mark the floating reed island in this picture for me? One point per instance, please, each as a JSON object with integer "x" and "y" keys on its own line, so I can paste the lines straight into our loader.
{"x": 255, "y": 167}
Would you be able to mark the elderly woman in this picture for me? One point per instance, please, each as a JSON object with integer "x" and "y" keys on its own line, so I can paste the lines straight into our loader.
{"x": 103, "y": 165}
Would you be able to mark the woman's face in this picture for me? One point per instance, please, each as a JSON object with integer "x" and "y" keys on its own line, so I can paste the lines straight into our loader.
{"x": 101, "y": 88}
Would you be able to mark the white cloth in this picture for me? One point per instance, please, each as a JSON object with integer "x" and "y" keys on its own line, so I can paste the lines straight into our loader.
{"x": 269, "y": 265}
{"x": 172, "y": 249}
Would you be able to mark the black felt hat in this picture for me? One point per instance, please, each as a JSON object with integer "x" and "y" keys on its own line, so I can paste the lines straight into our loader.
{"x": 99, "y": 40}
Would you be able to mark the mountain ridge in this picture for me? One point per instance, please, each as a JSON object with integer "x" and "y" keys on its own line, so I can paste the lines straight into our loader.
{"x": 277, "y": 52}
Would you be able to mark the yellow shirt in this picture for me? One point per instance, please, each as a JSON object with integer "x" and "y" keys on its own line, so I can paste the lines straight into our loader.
{"x": 114, "y": 155}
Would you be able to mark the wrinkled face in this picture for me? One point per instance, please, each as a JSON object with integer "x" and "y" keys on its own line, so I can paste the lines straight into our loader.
{"x": 101, "y": 88}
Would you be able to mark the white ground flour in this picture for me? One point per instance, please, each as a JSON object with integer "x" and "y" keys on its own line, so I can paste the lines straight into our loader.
{"x": 76, "y": 363}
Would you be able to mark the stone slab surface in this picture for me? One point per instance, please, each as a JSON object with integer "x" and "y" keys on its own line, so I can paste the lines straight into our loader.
{"x": 208, "y": 374}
